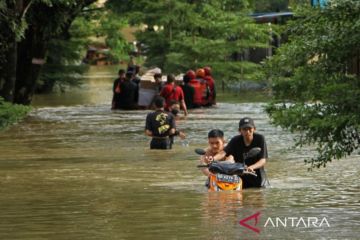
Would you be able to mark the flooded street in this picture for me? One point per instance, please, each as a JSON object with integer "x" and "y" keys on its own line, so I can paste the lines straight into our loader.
{"x": 74, "y": 169}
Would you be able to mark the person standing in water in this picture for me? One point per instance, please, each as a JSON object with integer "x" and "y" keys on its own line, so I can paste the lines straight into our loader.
{"x": 216, "y": 143}
{"x": 115, "y": 104}
{"x": 172, "y": 92}
{"x": 240, "y": 145}
{"x": 160, "y": 125}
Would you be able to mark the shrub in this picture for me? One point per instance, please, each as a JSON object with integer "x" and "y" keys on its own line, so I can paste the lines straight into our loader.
{"x": 11, "y": 113}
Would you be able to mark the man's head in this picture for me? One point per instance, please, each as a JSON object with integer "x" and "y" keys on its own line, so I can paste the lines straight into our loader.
{"x": 159, "y": 102}
{"x": 157, "y": 77}
{"x": 170, "y": 78}
{"x": 129, "y": 75}
{"x": 186, "y": 79}
{"x": 247, "y": 127}
{"x": 207, "y": 71}
{"x": 200, "y": 73}
{"x": 191, "y": 74}
{"x": 121, "y": 73}
{"x": 137, "y": 69}
{"x": 216, "y": 140}
{"x": 131, "y": 68}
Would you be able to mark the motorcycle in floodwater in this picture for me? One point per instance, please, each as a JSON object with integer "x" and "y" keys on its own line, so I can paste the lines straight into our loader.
{"x": 225, "y": 176}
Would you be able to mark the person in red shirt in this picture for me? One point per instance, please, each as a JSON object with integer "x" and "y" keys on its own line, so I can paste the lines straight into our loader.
{"x": 172, "y": 92}
{"x": 211, "y": 83}
{"x": 198, "y": 94}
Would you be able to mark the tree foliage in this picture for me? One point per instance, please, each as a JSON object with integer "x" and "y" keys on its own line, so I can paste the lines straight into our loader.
{"x": 10, "y": 113}
{"x": 316, "y": 86}
{"x": 183, "y": 34}
{"x": 270, "y": 5}
{"x": 27, "y": 27}
{"x": 109, "y": 26}
{"x": 63, "y": 61}
{"x": 67, "y": 50}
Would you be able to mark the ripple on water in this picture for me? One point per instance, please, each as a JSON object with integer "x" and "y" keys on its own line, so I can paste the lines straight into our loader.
{"x": 88, "y": 165}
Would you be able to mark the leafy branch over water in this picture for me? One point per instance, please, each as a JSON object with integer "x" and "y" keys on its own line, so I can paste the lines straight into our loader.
{"x": 316, "y": 82}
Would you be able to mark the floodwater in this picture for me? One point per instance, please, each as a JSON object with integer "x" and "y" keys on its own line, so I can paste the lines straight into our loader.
{"x": 74, "y": 169}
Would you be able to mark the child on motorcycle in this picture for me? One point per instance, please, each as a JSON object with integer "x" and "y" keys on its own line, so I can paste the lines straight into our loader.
{"x": 216, "y": 145}
{"x": 240, "y": 146}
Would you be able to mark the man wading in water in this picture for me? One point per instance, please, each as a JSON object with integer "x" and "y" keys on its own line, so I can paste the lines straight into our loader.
{"x": 160, "y": 125}
{"x": 240, "y": 145}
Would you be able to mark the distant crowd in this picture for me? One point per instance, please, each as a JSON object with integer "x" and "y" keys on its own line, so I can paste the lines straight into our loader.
{"x": 197, "y": 89}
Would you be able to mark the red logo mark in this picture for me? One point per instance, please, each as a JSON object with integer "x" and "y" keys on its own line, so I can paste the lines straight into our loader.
{"x": 254, "y": 216}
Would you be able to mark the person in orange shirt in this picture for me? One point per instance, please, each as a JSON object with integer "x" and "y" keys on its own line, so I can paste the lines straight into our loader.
{"x": 204, "y": 87}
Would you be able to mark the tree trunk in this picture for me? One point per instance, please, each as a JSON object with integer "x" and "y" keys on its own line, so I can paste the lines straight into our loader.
{"x": 8, "y": 79}
{"x": 31, "y": 50}
{"x": 8, "y": 69}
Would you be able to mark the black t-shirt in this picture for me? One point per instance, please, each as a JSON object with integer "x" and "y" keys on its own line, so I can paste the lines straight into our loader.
{"x": 136, "y": 80}
{"x": 189, "y": 92}
{"x": 160, "y": 123}
{"x": 237, "y": 148}
{"x": 127, "y": 95}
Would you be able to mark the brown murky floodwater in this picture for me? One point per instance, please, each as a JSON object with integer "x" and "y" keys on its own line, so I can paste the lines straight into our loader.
{"x": 74, "y": 169}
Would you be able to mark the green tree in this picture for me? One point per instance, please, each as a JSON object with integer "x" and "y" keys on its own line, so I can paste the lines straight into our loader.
{"x": 66, "y": 51}
{"x": 27, "y": 26}
{"x": 316, "y": 86}
{"x": 64, "y": 56}
{"x": 183, "y": 34}
{"x": 109, "y": 27}
{"x": 270, "y": 5}
{"x": 12, "y": 28}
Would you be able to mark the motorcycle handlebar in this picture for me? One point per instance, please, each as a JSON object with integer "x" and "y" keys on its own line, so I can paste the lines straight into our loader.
{"x": 247, "y": 172}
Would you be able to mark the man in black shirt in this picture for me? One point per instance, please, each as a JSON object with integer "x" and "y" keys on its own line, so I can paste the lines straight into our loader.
{"x": 239, "y": 147}
{"x": 117, "y": 89}
{"x": 189, "y": 92}
{"x": 136, "y": 79}
{"x": 128, "y": 93}
{"x": 160, "y": 125}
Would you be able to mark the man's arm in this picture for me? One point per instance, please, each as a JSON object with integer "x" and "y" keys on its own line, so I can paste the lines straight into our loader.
{"x": 172, "y": 131}
{"x": 148, "y": 133}
{"x": 182, "y": 100}
{"x": 263, "y": 156}
{"x": 181, "y": 134}
{"x": 183, "y": 106}
{"x": 218, "y": 157}
{"x": 114, "y": 85}
{"x": 257, "y": 165}
{"x": 172, "y": 123}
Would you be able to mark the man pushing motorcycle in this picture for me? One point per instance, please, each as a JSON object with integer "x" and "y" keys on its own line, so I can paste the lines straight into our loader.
{"x": 239, "y": 147}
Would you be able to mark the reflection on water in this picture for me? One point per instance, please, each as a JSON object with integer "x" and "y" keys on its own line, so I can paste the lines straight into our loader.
{"x": 74, "y": 169}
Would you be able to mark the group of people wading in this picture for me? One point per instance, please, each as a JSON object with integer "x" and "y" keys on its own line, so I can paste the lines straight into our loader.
{"x": 161, "y": 127}
{"x": 196, "y": 90}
